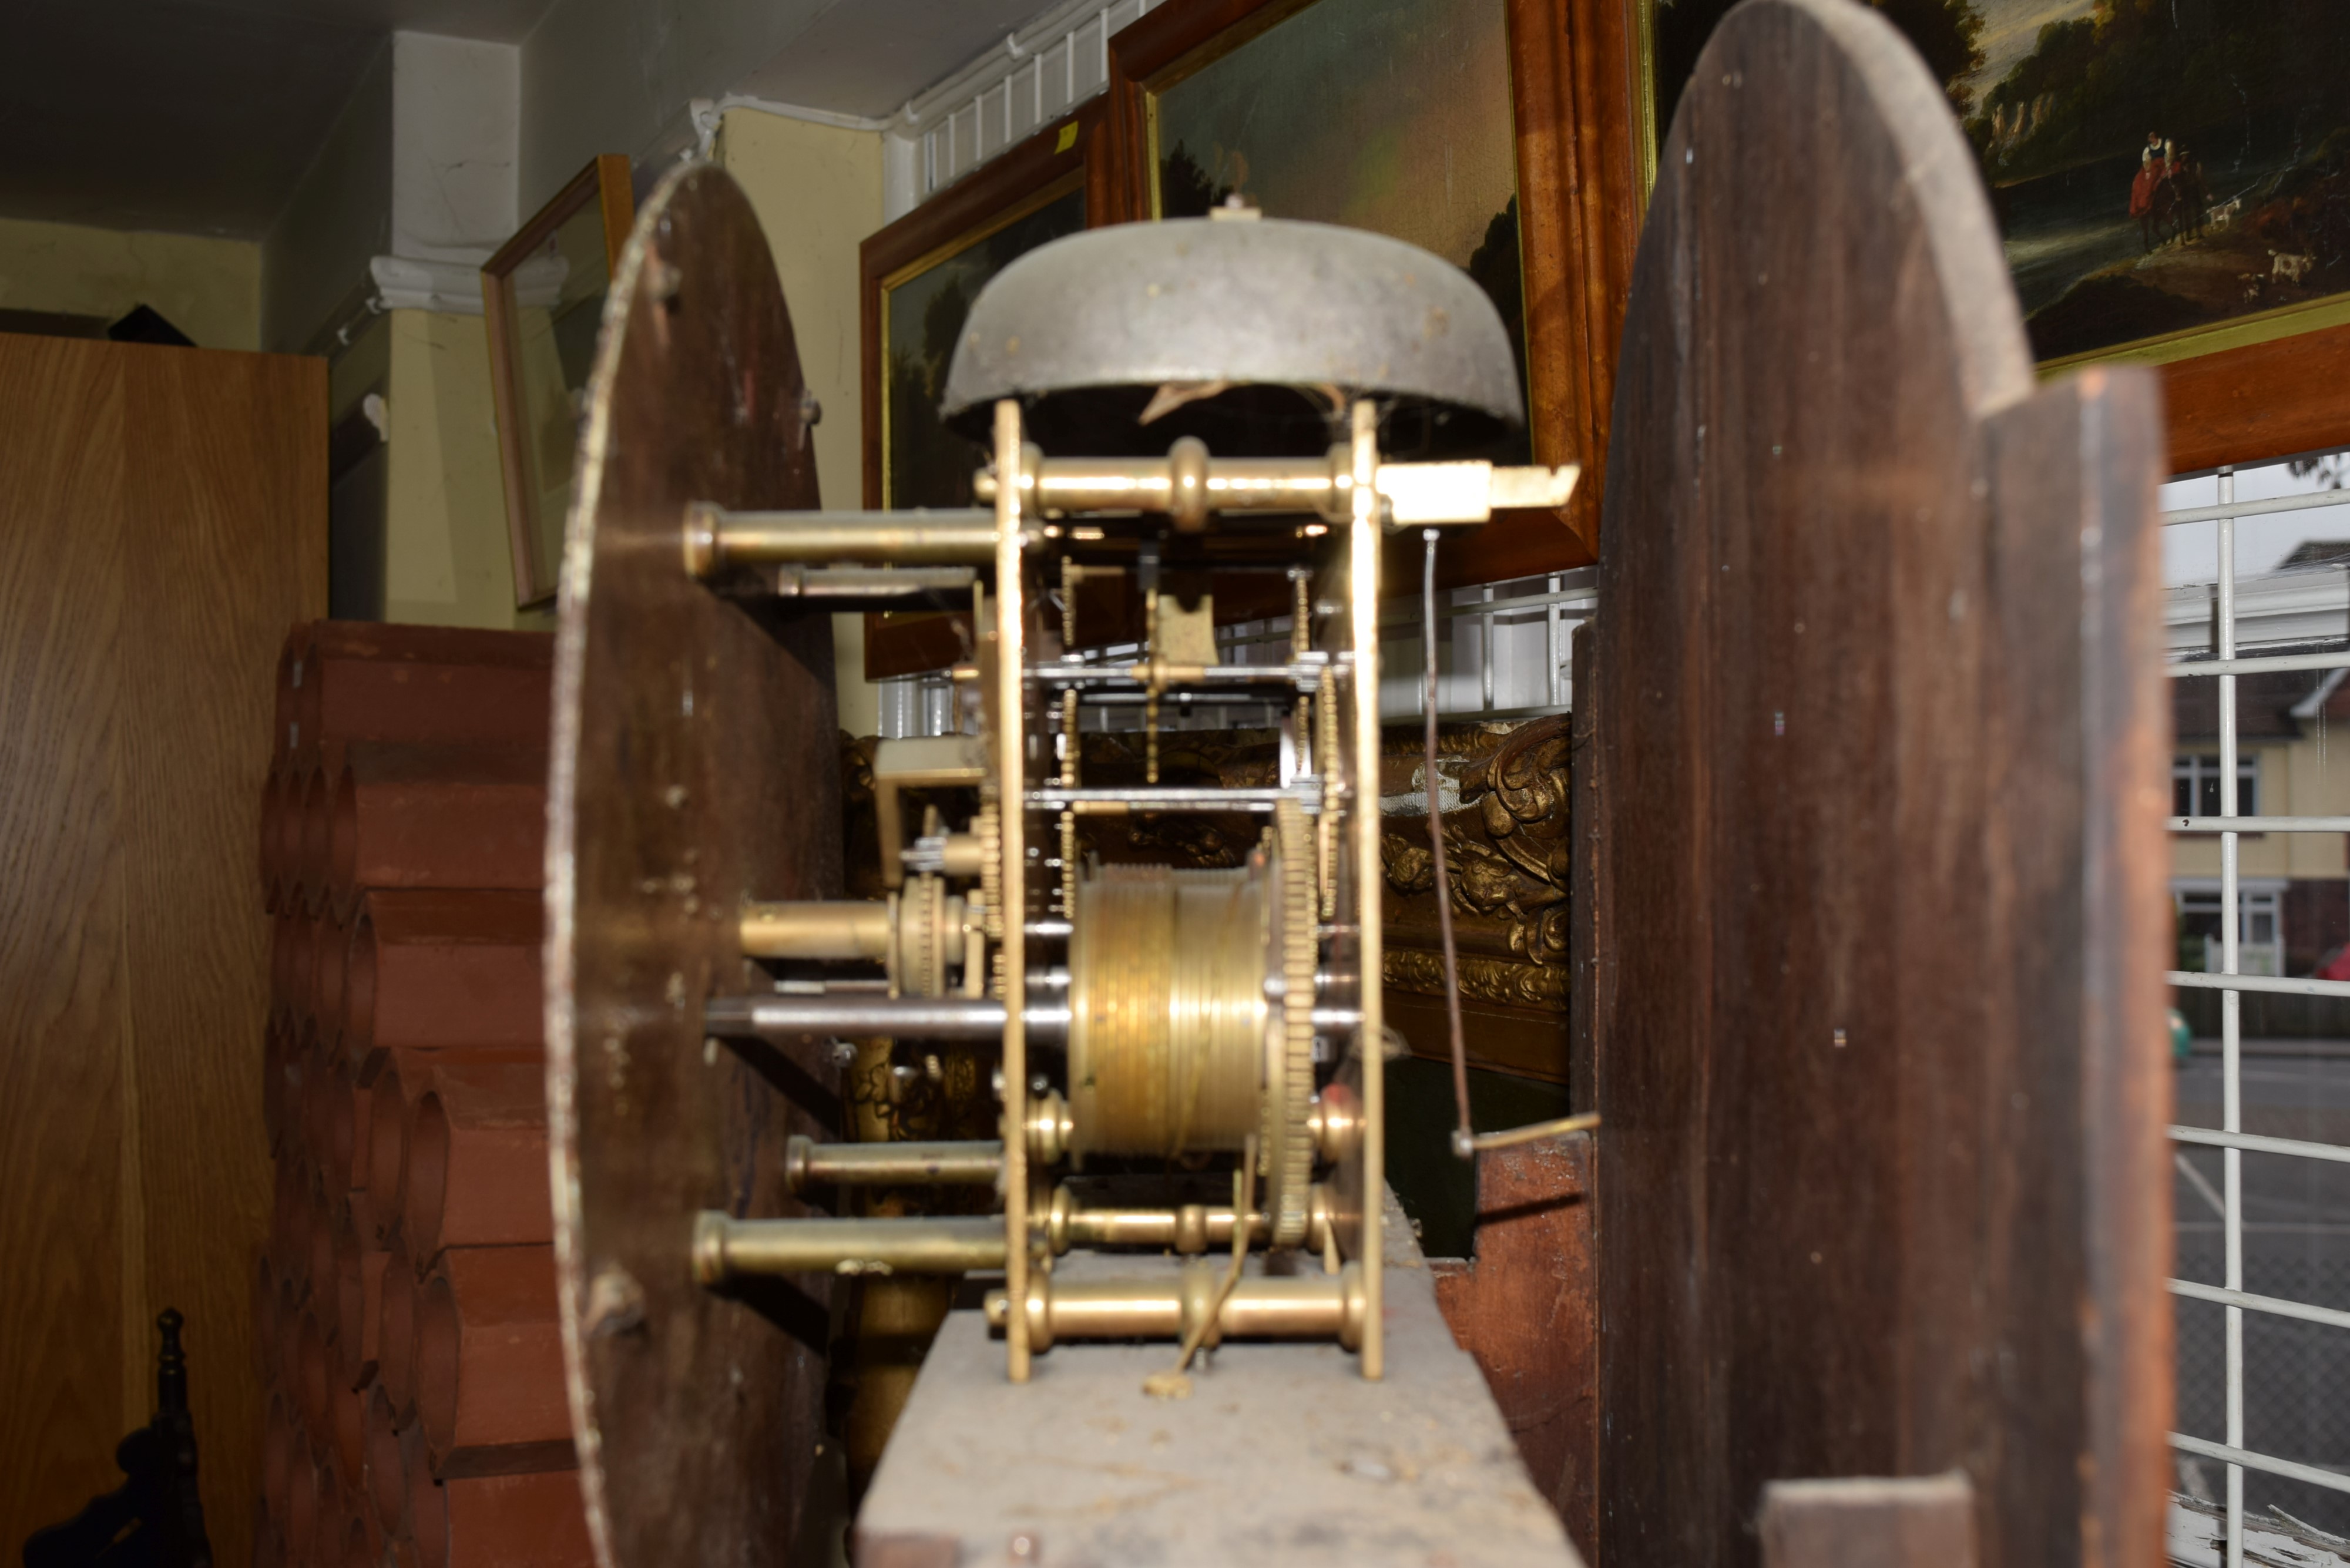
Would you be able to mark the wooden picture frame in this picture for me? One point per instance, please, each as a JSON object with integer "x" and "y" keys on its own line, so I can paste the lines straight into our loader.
{"x": 2260, "y": 403}
{"x": 1580, "y": 110}
{"x": 1065, "y": 155}
{"x": 1068, "y": 154}
{"x": 1578, "y": 80}
{"x": 603, "y": 189}
{"x": 2254, "y": 402}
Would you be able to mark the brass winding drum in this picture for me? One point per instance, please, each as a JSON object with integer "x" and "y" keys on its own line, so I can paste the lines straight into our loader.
{"x": 1167, "y": 1008}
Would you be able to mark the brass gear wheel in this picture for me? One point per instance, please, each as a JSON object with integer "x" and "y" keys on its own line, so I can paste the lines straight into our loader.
{"x": 1288, "y": 1159}
{"x": 923, "y": 938}
{"x": 990, "y": 827}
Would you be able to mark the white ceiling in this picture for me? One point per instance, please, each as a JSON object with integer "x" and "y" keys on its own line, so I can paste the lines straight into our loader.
{"x": 200, "y": 116}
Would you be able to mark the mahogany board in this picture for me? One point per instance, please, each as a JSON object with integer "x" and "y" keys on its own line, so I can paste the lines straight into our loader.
{"x": 161, "y": 523}
{"x": 695, "y": 766}
{"x": 1876, "y": 739}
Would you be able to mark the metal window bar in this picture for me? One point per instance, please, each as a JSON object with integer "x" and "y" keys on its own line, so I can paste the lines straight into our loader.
{"x": 2224, "y": 666}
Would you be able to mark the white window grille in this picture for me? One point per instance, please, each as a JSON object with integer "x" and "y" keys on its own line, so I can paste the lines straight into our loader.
{"x": 2289, "y": 1305}
{"x": 1051, "y": 65}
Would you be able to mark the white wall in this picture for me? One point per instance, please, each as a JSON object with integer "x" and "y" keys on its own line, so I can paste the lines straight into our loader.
{"x": 421, "y": 166}
{"x": 456, "y": 125}
{"x": 339, "y": 217}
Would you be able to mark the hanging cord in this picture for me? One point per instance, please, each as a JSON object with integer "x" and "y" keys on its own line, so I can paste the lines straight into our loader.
{"x": 1463, "y": 1137}
{"x": 1177, "y": 1384}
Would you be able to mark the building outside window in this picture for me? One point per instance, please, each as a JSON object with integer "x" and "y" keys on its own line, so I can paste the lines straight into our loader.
{"x": 2260, "y": 927}
{"x": 2195, "y": 784}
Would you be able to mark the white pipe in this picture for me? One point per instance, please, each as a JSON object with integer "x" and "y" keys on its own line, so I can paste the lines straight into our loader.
{"x": 2213, "y": 1137}
{"x": 2275, "y": 1306}
{"x": 2232, "y": 1024}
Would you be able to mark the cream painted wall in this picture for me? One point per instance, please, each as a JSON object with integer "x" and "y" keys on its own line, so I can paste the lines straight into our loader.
{"x": 818, "y": 192}
{"x": 208, "y": 288}
{"x": 446, "y": 560}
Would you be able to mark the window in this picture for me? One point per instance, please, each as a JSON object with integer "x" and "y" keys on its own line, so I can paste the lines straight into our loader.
{"x": 2263, "y": 1430}
{"x": 2195, "y": 784}
{"x": 2259, "y": 929}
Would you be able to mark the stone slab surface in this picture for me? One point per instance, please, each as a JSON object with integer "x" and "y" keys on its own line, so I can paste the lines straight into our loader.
{"x": 1282, "y": 1455}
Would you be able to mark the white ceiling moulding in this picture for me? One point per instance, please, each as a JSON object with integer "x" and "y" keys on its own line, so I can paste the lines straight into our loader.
{"x": 707, "y": 113}
{"x": 451, "y": 287}
{"x": 1037, "y": 74}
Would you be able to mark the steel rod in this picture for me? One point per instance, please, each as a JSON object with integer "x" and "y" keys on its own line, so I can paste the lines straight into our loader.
{"x": 1124, "y": 802}
{"x": 1463, "y": 1139}
{"x": 871, "y": 582}
{"x": 859, "y": 1016}
{"x": 1564, "y": 1126}
{"x": 2260, "y": 824}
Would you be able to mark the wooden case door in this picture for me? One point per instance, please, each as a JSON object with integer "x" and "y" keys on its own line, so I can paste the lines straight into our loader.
{"x": 162, "y": 520}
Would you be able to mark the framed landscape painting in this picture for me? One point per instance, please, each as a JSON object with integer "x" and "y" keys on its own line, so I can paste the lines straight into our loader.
{"x": 919, "y": 276}
{"x": 1388, "y": 115}
{"x": 1438, "y": 122}
{"x": 2172, "y": 177}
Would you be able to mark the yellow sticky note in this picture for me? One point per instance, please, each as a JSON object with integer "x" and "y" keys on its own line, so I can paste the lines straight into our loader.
{"x": 1068, "y": 138}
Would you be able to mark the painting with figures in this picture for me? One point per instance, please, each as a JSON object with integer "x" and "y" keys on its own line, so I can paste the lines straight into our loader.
{"x": 2170, "y": 176}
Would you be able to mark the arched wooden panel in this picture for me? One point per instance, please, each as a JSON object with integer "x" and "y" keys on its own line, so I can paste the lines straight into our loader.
{"x": 1876, "y": 874}
{"x": 695, "y": 766}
